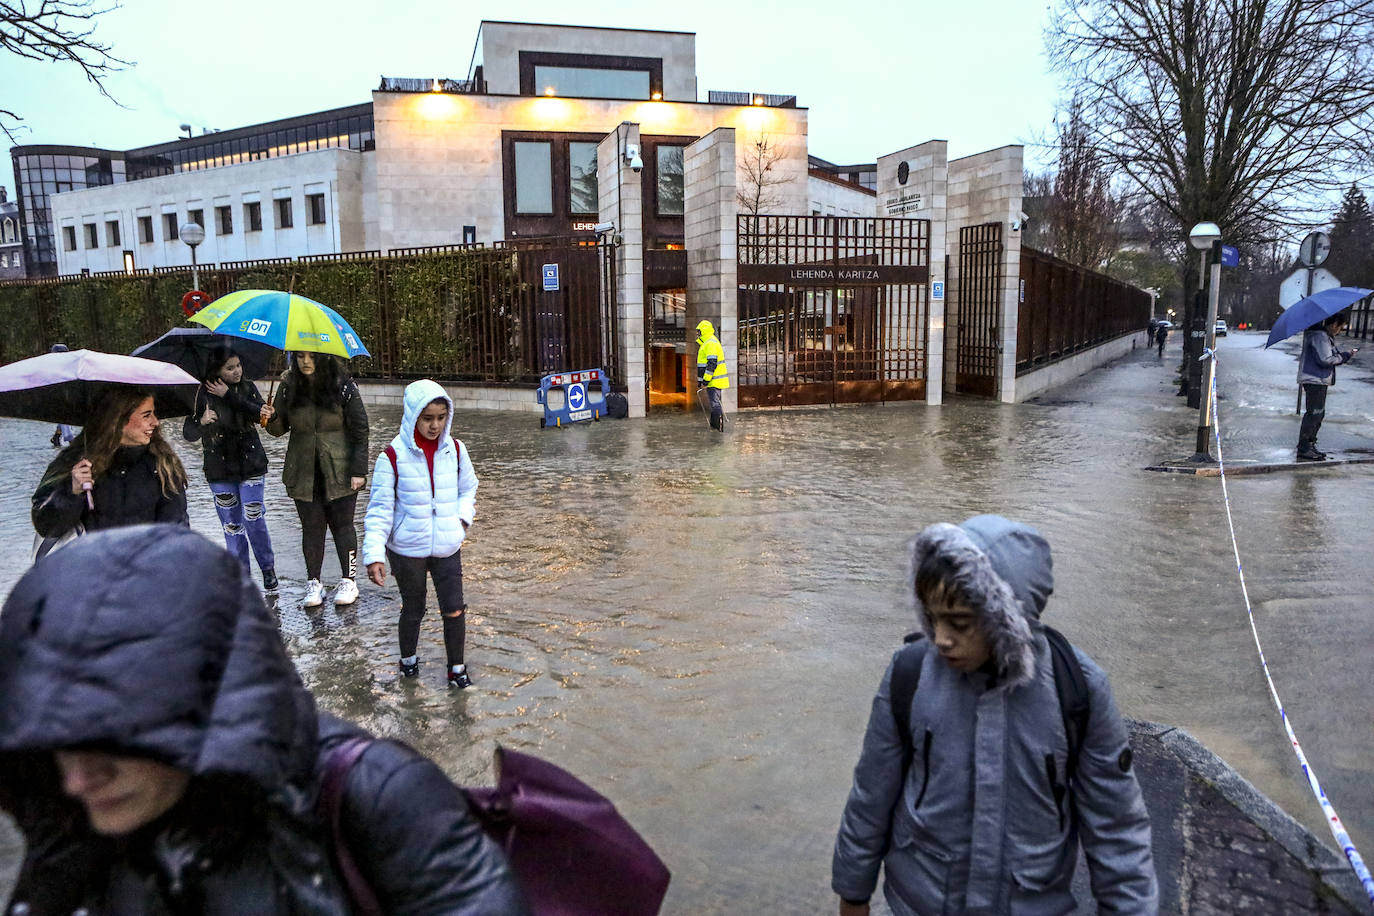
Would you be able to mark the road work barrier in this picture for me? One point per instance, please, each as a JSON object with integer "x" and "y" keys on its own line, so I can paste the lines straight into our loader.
{"x": 573, "y": 397}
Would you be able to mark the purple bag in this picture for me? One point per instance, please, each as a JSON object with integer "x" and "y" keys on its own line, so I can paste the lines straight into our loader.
{"x": 570, "y": 850}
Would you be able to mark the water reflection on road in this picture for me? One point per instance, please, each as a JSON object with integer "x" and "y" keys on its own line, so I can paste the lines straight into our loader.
{"x": 696, "y": 623}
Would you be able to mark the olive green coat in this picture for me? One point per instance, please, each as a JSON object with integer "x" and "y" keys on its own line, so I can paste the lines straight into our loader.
{"x": 336, "y": 438}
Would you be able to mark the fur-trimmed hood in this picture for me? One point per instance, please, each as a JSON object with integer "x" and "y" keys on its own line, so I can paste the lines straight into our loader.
{"x": 1004, "y": 570}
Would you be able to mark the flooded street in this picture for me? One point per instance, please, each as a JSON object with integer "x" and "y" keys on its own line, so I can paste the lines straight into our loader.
{"x": 696, "y": 623}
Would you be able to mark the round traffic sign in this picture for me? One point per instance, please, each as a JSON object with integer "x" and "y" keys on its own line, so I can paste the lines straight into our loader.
{"x": 1314, "y": 249}
{"x": 577, "y": 396}
{"x": 194, "y": 301}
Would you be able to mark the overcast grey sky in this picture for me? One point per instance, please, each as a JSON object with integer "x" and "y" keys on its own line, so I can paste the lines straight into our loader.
{"x": 877, "y": 76}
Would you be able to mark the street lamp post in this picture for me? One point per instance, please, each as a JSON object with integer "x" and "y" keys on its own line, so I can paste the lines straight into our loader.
{"x": 192, "y": 234}
{"x": 1206, "y": 237}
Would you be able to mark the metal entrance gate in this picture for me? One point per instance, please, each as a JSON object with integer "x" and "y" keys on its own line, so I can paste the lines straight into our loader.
{"x": 980, "y": 292}
{"x": 831, "y": 309}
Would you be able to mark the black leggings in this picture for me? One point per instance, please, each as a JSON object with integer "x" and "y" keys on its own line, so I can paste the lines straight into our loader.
{"x": 447, "y": 573}
{"x": 337, "y": 515}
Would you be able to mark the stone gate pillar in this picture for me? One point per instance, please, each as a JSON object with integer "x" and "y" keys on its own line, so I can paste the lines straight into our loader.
{"x": 712, "y": 291}
{"x": 621, "y": 203}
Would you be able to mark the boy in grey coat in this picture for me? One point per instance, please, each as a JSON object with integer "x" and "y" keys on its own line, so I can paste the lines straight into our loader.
{"x": 985, "y": 818}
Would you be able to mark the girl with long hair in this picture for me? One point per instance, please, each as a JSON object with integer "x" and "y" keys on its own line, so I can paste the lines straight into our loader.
{"x": 131, "y": 472}
{"x": 225, "y": 420}
{"x": 326, "y": 463}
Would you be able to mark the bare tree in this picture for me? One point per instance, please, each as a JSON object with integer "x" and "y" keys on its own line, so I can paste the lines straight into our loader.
{"x": 56, "y": 30}
{"x": 760, "y": 177}
{"x": 1074, "y": 214}
{"x": 1247, "y": 113}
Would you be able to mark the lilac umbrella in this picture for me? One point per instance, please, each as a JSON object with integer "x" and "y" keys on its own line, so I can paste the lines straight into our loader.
{"x": 64, "y": 387}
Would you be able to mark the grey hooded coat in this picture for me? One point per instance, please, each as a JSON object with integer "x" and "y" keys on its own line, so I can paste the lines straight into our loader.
{"x": 982, "y": 822}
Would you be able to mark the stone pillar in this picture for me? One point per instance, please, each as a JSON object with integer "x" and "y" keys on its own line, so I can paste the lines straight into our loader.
{"x": 923, "y": 196}
{"x": 712, "y": 291}
{"x": 986, "y": 188}
{"x": 621, "y": 202}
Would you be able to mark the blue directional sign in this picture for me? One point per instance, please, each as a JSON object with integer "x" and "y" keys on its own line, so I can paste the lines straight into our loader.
{"x": 577, "y": 396}
{"x": 550, "y": 278}
{"x": 937, "y": 289}
{"x": 1230, "y": 256}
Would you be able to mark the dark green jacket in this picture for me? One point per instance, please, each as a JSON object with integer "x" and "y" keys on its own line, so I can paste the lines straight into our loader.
{"x": 335, "y": 438}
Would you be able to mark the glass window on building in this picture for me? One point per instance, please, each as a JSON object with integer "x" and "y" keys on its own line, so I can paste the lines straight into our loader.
{"x": 314, "y": 208}
{"x": 169, "y": 227}
{"x": 145, "y": 230}
{"x": 197, "y": 217}
{"x": 284, "y": 220}
{"x": 582, "y": 188}
{"x": 112, "y": 233}
{"x": 252, "y": 217}
{"x": 671, "y": 192}
{"x": 533, "y": 176}
{"x": 224, "y": 220}
{"x": 69, "y": 238}
{"x": 92, "y": 237}
{"x": 591, "y": 82}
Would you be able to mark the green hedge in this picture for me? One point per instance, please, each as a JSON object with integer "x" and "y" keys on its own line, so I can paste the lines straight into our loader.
{"x": 451, "y": 315}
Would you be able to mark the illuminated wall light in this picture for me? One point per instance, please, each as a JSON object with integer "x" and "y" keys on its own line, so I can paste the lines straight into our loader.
{"x": 657, "y": 96}
{"x": 436, "y": 87}
{"x": 758, "y": 100}
{"x": 548, "y": 91}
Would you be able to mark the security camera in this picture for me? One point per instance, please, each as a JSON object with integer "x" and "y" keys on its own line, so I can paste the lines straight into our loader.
{"x": 1016, "y": 225}
{"x": 602, "y": 228}
{"x": 632, "y": 157}
{"x": 636, "y": 165}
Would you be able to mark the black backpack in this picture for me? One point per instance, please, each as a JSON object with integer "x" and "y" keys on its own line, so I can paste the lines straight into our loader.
{"x": 1069, "y": 683}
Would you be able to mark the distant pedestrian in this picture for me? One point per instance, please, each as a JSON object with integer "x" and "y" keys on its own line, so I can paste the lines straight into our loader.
{"x": 326, "y": 463}
{"x": 1316, "y": 374}
{"x": 162, "y": 757}
{"x": 712, "y": 372}
{"x": 120, "y": 457}
{"x": 976, "y": 800}
{"x": 1161, "y": 335}
{"x": 63, "y": 435}
{"x": 225, "y": 420}
{"x": 424, "y": 497}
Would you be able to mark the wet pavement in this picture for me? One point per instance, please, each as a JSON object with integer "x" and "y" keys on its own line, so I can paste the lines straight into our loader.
{"x": 695, "y": 623}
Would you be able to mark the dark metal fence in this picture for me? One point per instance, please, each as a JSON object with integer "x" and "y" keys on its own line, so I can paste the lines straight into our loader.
{"x": 1066, "y": 308}
{"x": 831, "y": 309}
{"x": 456, "y": 313}
{"x": 1362, "y": 320}
{"x": 980, "y": 307}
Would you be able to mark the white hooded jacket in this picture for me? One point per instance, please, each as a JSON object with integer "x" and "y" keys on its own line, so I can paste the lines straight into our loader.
{"x": 406, "y": 513}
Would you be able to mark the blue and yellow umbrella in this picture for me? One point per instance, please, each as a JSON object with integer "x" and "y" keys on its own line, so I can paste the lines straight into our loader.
{"x": 282, "y": 320}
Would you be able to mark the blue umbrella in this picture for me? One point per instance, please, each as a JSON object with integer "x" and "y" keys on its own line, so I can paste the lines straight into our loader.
{"x": 1314, "y": 309}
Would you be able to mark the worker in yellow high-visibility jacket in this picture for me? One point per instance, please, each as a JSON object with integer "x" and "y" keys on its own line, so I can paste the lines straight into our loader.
{"x": 712, "y": 373}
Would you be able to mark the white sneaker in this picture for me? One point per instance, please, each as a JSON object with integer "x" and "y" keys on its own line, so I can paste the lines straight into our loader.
{"x": 314, "y": 593}
{"x": 347, "y": 592}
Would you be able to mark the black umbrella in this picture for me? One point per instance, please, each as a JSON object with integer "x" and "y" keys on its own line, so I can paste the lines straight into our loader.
{"x": 190, "y": 349}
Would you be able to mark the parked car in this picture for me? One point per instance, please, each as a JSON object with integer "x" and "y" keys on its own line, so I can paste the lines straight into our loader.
{"x": 1221, "y": 327}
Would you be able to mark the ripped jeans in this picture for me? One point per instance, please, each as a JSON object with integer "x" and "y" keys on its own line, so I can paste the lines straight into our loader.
{"x": 244, "y": 518}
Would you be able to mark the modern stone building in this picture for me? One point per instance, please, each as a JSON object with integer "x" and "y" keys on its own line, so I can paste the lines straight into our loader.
{"x": 895, "y": 280}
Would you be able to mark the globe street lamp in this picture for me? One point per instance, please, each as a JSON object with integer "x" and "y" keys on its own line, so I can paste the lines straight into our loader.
{"x": 1206, "y": 237}
{"x": 192, "y": 234}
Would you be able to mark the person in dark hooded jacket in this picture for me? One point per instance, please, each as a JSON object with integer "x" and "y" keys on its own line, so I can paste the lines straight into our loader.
{"x": 161, "y": 755}
{"x": 980, "y": 814}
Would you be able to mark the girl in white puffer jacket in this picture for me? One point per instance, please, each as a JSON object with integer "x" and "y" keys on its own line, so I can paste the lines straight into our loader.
{"x": 424, "y": 496}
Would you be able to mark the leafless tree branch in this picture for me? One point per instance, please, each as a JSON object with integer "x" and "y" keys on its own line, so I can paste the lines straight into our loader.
{"x": 62, "y": 31}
